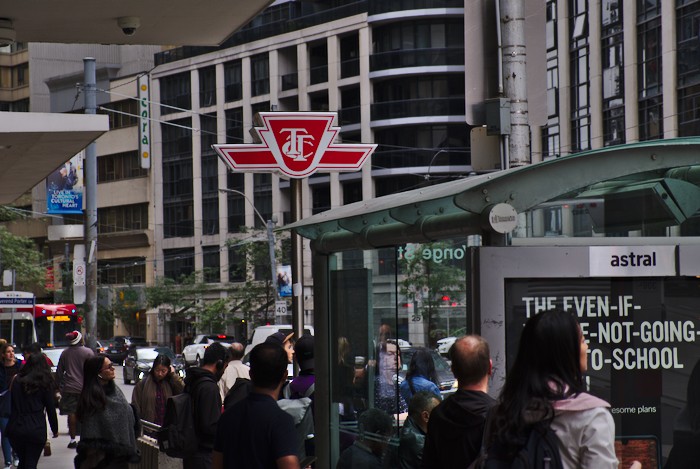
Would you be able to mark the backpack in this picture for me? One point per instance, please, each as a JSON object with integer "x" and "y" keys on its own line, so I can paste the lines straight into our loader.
{"x": 539, "y": 451}
{"x": 239, "y": 391}
{"x": 177, "y": 437}
{"x": 300, "y": 410}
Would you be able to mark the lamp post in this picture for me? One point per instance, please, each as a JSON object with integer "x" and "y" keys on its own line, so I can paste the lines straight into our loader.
{"x": 270, "y": 238}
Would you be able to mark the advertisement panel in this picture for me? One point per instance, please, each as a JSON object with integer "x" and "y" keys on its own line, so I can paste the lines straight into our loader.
{"x": 644, "y": 356}
{"x": 284, "y": 281}
{"x": 64, "y": 187}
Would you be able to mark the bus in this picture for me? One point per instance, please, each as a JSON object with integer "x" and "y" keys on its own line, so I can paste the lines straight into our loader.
{"x": 52, "y": 322}
{"x": 47, "y": 324}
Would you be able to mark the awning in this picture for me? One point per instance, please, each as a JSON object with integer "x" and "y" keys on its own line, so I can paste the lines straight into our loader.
{"x": 459, "y": 207}
{"x": 160, "y": 22}
{"x": 34, "y": 144}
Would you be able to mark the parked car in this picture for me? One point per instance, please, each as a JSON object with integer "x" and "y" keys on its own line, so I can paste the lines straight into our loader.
{"x": 99, "y": 347}
{"x": 139, "y": 361}
{"x": 444, "y": 345}
{"x": 118, "y": 346}
{"x": 54, "y": 353}
{"x": 263, "y": 332}
{"x": 447, "y": 382}
{"x": 192, "y": 354}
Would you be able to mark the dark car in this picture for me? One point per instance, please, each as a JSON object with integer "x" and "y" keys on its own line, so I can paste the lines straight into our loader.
{"x": 139, "y": 361}
{"x": 447, "y": 382}
{"x": 117, "y": 347}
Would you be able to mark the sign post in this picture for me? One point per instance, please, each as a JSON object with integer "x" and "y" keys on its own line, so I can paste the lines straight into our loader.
{"x": 296, "y": 145}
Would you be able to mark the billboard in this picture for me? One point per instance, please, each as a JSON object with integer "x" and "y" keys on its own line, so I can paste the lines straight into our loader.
{"x": 284, "y": 281}
{"x": 64, "y": 187}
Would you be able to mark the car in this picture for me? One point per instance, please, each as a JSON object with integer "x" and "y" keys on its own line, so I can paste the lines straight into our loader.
{"x": 139, "y": 361}
{"x": 54, "y": 353}
{"x": 261, "y": 333}
{"x": 99, "y": 348}
{"x": 192, "y": 354}
{"x": 444, "y": 345}
{"x": 118, "y": 346}
{"x": 447, "y": 382}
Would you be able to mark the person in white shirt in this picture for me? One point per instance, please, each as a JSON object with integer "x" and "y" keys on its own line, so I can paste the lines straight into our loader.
{"x": 235, "y": 369}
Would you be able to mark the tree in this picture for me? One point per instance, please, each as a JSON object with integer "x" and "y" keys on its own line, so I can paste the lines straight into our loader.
{"x": 23, "y": 256}
{"x": 254, "y": 295}
{"x": 428, "y": 283}
{"x": 180, "y": 294}
{"x": 127, "y": 306}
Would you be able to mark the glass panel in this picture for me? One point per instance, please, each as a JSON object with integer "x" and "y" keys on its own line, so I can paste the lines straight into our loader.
{"x": 386, "y": 305}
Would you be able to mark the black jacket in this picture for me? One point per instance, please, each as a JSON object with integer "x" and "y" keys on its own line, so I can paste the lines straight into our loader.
{"x": 202, "y": 387}
{"x": 455, "y": 430}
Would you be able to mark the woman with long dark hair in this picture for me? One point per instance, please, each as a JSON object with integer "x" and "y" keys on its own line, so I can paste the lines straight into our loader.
{"x": 421, "y": 375}
{"x": 9, "y": 367}
{"x": 109, "y": 424}
{"x": 545, "y": 384}
{"x": 32, "y": 395}
{"x": 151, "y": 394}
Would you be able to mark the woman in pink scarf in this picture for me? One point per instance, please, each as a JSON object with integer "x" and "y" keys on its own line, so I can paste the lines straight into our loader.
{"x": 546, "y": 384}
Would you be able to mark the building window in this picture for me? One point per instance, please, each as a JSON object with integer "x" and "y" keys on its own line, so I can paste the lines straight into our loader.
{"x": 237, "y": 265}
{"x": 122, "y": 113}
{"x": 119, "y": 166}
{"x": 122, "y": 218}
{"x": 122, "y": 271}
{"x": 260, "y": 107}
{"x": 178, "y": 217}
{"x": 321, "y": 198}
{"x": 233, "y": 81}
{"x": 260, "y": 71}
{"x": 352, "y": 192}
{"x": 234, "y": 125}
{"x": 235, "y": 202}
{"x": 318, "y": 63}
{"x": 207, "y": 86}
{"x": 649, "y": 80}
{"x": 386, "y": 261}
{"x": 211, "y": 261}
{"x": 175, "y": 93}
{"x": 416, "y": 145}
{"x": 613, "y": 74}
{"x": 262, "y": 197}
{"x": 350, "y": 56}
{"x": 580, "y": 78}
{"x": 178, "y": 263}
{"x": 210, "y": 176}
{"x": 551, "y": 145}
{"x": 687, "y": 33}
{"x": 261, "y": 267}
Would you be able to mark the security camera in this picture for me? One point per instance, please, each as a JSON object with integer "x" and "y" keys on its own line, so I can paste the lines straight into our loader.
{"x": 129, "y": 24}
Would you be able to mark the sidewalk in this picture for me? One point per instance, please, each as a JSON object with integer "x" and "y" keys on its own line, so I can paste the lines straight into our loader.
{"x": 61, "y": 457}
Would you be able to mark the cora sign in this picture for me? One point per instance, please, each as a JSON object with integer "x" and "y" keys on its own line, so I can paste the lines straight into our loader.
{"x": 296, "y": 144}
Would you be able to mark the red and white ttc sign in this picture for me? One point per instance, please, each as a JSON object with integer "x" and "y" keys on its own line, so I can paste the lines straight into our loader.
{"x": 297, "y": 144}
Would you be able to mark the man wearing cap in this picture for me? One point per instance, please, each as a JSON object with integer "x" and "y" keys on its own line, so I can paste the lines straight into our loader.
{"x": 69, "y": 373}
{"x": 285, "y": 341}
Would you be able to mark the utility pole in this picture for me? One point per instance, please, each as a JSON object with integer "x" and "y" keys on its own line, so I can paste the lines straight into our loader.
{"x": 512, "y": 19}
{"x": 90, "y": 175}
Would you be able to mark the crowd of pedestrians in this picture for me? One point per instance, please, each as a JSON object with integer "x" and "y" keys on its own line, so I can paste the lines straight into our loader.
{"x": 261, "y": 425}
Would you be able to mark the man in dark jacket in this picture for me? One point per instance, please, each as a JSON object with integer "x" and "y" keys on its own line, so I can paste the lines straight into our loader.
{"x": 414, "y": 429}
{"x": 457, "y": 424}
{"x": 201, "y": 384}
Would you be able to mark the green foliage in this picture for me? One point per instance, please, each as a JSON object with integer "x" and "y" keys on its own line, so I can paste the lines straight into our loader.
{"x": 22, "y": 255}
{"x": 425, "y": 282}
{"x": 126, "y": 306}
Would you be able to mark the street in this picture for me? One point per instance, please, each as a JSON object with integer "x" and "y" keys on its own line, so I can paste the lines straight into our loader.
{"x": 61, "y": 456}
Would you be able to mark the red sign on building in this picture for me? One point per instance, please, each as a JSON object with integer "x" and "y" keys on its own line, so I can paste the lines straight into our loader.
{"x": 297, "y": 144}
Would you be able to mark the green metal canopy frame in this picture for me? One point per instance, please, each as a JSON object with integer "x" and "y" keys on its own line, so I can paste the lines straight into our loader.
{"x": 458, "y": 207}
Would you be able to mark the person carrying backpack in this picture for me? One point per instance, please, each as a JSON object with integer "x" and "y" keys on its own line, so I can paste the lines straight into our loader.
{"x": 543, "y": 416}
{"x": 201, "y": 385}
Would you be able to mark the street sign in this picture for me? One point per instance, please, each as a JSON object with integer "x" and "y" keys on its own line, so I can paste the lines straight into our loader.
{"x": 13, "y": 299}
{"x": 296, "y": 144}
{"x": 78, "y": 273}
{"x": 280, "y": 308}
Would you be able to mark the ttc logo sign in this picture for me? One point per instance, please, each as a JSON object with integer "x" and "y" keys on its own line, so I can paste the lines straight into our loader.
{"x": 297, "y": 144}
